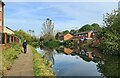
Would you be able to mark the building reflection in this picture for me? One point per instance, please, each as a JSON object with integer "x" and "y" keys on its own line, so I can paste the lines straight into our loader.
{"x": 106, "y": 65}
{"x": 80, "y": 52}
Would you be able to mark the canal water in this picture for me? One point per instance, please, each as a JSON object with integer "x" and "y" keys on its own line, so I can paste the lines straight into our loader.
{"x": 80, "y": 62}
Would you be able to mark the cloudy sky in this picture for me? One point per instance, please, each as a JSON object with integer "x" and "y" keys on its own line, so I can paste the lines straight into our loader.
{"x": 65, "y": 15}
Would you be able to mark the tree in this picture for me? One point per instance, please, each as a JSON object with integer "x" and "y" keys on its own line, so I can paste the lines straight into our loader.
{"x": 65, "y": 32}
{"x": 96, "y": 26}
{"x": 23, "y": 35}
{"x": 73, "y": 31}
{"x": 32, "y": 40}
{"x": 31, "y": 32}
{"x": 112, "y": 22}
{"x": 110, "y": 34}
{"x": 48, "y": 29}
{"x": 88, "y": 27}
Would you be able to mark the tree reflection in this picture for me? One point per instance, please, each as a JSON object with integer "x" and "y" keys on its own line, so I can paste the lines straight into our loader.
{"x": 106, "y": 65}
{"x": 109, "y": 66}
{"x": 48, "y": 55}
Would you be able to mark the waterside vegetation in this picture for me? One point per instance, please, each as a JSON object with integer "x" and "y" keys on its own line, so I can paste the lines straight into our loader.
{"x": 9, "y": 55}
{"x": 39, "y": 65}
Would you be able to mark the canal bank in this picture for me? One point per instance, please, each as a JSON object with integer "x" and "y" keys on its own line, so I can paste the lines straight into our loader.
{"x": 9, "y": 54}
{"x": 39, "y": 65}
{"x": 23, "y": 65}
{"x": 16, "y": 63}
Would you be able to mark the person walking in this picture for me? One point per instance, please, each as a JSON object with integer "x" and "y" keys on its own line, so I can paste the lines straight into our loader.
{"x": 25, "y": 46}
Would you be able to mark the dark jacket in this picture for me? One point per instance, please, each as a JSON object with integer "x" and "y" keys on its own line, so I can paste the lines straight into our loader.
{"x": 24, "y": 44}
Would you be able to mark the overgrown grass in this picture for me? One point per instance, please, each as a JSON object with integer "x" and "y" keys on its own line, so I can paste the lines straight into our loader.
{"x": 39, "y": 66}
{"x": 9, "y": 55}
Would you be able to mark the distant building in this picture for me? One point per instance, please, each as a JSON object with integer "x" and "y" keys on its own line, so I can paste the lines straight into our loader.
{"x": 68, "y": 36}
{"x": 78, "y": 36}
{"x": 62, "y": 37}
{"x": 86, "y": 35}
{"x": 6, "y": 34}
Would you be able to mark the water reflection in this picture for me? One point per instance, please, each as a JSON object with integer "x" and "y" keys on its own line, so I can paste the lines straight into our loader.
{"x": 80, "y": 61}
{"x": 48, "y": 54}
{"x": 81, "y": 52}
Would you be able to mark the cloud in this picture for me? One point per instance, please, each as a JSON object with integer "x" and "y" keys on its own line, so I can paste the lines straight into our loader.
{"x": 65, "y": 15}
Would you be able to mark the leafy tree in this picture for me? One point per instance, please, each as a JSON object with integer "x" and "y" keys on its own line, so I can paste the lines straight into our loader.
{"x": 73, "y": 31}
{"x": 48, "y": 29}
{"x": 96, "y": 26}
{"x": 32, "y": 40}
{"x": 65, "y": 32}
{"x": 110, "y": 34}
{"x": 112, "y": 22}
{"x": 23, "y": 35}
{"x": 88, "y": 27}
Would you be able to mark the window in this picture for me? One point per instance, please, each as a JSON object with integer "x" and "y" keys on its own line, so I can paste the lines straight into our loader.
{"x": 93, "y": 33}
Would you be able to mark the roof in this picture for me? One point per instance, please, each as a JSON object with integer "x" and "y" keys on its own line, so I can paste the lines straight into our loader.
{"x": 8, "y": 30}
{"x": 87, "y": 32}
{"x": 68, "y": 36}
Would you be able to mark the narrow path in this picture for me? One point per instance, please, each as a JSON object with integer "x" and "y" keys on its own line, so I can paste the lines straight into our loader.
{"x": 23, "y": 66}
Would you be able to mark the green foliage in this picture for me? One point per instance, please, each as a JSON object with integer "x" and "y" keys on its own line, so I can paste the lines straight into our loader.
{"x": 32, "y": 40}
{"x": 112, "y": 22}
{"x": 65, "y": 32}
{"x": 39, "y": 66}
{"x": 96, "y": 26}
{"x": 23, "y": 35}
{"x": 51, "y": 44}
{"x": 110, "y": 34}
{"x": 73, "y": 31}
{"x": 10, "y": 54}
{"x": 110, "y": 44}
{"x": 88, "y": 27}
{"x": 109, "y": 66}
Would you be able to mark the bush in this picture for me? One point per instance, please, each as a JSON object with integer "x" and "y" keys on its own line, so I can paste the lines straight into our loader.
{"x": 51, "y": 44}
{"x": 108, "y": 47}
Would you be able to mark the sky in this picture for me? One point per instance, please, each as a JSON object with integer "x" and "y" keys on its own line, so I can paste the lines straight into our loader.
{"x": 65, "y": 15}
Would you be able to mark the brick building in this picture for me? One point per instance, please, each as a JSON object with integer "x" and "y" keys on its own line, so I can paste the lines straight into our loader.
{"x": 6, "y": 34}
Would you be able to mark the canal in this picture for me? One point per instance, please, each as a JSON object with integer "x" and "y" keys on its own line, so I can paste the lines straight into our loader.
{"x": 80, "y": 62}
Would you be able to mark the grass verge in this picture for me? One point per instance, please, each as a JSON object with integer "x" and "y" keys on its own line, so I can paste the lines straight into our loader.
{"x": 39, "y": 66}
{"x": 9, "y": 55}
